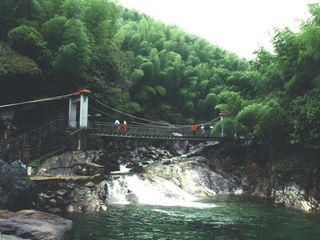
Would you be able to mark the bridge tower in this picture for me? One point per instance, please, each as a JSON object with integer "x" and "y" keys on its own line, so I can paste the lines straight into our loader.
{"x": 79, "y": 101}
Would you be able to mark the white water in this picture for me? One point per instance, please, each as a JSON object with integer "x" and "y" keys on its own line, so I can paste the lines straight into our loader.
{"x": 123, "y": 170}
{"x": 158, "y": 191}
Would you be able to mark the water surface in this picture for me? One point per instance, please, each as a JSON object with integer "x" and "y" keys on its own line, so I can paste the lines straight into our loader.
{"x": 224, "y": 218}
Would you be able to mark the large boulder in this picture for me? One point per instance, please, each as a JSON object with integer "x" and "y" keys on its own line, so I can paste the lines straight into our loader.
{"x": 16, "y": 189}
{"x": 178, "y": 148}
{"x": 292, "y": 195}
{"x": 63, "y": 196}
{"x": 194, "y": 176}
{"x": 72, "y": 164}
{"x": 35, "y": 225}
{"x": 88, "y": 198}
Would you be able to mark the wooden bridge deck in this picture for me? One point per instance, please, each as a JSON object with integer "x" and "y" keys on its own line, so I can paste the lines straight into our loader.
{"x": 105, "y": 129}
{"x": 55, "y": 136}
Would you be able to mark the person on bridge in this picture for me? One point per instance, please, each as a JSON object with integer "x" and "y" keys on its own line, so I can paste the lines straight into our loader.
{"x": 202, "y": 131}
{"x": 125, "y": 127}
{"x": 116, "y": 125}
{"x": 194, "y": 128}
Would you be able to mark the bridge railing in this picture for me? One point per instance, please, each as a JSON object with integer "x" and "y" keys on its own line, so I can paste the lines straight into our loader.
{"x": 135, "y": 130}
{"x": 36, "y": 143}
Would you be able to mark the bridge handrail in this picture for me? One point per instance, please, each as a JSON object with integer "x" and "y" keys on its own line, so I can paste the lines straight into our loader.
{"x": 107, "y": 127}
{"x": 39, "y": 129}
{"x": 36, "y": 142}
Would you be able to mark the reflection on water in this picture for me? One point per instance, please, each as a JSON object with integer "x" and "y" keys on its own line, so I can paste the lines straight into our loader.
{"x": 233, "y": 218}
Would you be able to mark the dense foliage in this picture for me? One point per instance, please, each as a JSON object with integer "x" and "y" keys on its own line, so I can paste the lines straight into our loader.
{"x": 139, "y": 65}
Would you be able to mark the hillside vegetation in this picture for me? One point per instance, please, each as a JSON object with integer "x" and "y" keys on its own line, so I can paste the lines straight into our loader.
{"x": 139, "y": 65}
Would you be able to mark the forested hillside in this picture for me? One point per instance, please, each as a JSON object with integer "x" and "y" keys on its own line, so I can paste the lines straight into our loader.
{"x": 137, "y": 64}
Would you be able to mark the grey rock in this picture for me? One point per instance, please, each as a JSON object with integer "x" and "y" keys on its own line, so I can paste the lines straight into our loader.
{"x": 53, "y": 201}
{"x": 131, "y": 197}
{"x": 11, "y": 237}
{"x": 88, "y": 199}
{"x": 16, "y": 190}
{"x": 167, "y": 162}
{"x": 293, "y": 196}
{"x": 141, "y": 150}
{"x": 35, "y": 225}
{"x": 61, "y": 192}
{"x": 90, "y": 184}
{"x": 73, "y": 163}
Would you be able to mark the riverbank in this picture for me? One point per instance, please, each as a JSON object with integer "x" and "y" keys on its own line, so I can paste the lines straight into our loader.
{"x": 31, "y": 224}
{"x": 291, "y": 178}
{"x": 209, "y": 170}
{"x": 168, "y": 174}
{"x": 18, "y": 192}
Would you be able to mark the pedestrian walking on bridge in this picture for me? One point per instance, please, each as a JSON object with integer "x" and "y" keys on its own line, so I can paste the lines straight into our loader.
{"x": 116, "y": 125}
{"x": 194, "y": 128}
{"x": 125, "y": 127}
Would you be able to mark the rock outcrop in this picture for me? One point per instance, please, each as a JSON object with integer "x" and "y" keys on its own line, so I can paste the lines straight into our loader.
{"x": 31, "y": 224}
{"x": 86, "y": 194}
{"x": 72, "y": 182}
{"x": 193, "y": 175}
{"x": 16, "y": 190}
{"x": 72, "y": 164}
{"x": 197, "y": 175}
{"x": 177, "y": 181}
{"x": 292, "y": 195}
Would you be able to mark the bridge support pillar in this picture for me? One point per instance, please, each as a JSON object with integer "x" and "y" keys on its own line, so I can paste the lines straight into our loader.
{"x": 84, "y": 104}
{"x": 79, "y": 101}
{"x": 73, "y": 102}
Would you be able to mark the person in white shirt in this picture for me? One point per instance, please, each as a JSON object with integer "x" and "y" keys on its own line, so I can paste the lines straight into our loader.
{"x": 117, "y": 125}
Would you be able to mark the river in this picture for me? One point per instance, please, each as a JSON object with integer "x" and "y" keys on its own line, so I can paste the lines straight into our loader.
{"x": 222, "y": 217}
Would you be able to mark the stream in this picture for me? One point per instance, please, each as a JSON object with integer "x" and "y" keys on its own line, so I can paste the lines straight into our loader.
{"x": 184, "y": 199}
{"x": 220, "y": 217}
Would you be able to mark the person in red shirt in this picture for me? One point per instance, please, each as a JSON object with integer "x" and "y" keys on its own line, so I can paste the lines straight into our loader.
{"x": 125, "y": 127}
{"x": 194, "y": 128}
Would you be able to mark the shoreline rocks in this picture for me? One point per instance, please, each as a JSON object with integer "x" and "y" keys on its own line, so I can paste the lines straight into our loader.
{"x": 31, "y": 224}
{"x": 62, "y": 196}
{"x": 293, "y": 196}
{"x": 16, "y": 190}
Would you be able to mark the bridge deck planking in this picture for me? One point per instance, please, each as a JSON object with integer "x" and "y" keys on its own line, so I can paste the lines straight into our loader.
{"x": 182, "y": 138}
{"x": 169, "y": 132}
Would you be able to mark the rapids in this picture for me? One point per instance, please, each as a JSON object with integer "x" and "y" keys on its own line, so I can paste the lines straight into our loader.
{"x": 183, "y": 182}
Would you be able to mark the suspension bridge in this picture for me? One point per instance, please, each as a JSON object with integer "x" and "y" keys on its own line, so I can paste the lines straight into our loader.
{"x": 96, "y": 119}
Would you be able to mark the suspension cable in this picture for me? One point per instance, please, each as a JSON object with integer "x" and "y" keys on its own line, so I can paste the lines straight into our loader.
{"x": 136, "y": 123}
{"x": 127, "y": 114}
{"x": 148, "y": 120}
{"x": 100, "y": 111}
{"x": 38, "y": 100}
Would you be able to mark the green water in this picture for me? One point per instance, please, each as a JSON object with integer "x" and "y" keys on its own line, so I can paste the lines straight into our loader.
{"x": 232, "y": 218}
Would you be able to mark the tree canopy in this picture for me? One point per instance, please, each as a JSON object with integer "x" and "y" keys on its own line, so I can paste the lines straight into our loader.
{"x": 142, "y": 66}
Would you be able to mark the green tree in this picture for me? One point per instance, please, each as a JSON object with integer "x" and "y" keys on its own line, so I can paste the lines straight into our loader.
{"x": 13, "y": 13}
{"x": 100, "y": 18}
{"x": 306, "y": 120}
{"x": 73, "y": 9}
{"x": 73, "y": 58}
{"x": 53, "y": 31}
{"x": 28, "y": 41}
{"x": 228, "y": 128}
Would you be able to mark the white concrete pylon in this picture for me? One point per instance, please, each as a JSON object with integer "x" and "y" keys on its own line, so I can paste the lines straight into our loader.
{"x": 81, "y": 98}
